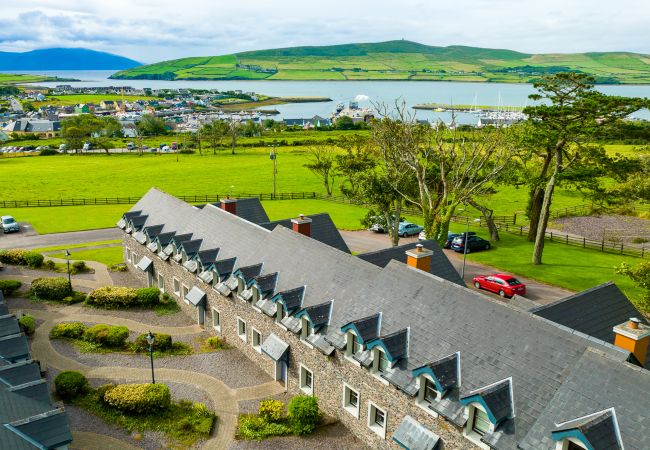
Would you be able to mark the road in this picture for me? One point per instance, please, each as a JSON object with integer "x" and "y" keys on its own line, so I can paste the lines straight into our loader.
{"x": 358, "y": 241}
{"x": 367, "y": 241}
{"x": 29, "y": 239}
{"x": 15, "y": 104}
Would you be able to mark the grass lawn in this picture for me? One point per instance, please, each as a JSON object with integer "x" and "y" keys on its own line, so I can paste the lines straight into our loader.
{"x": 68, "y": 218}
{"x": 107, "y": 255}
{"x": 566, "y": 266}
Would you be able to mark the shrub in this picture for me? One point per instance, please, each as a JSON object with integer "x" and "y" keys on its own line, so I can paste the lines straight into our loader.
{"x": 271, "y": 410}
{"x": 76, "y": 297}
{"x": 103, "y": 389}
{"x": 161, "y": 343}
{"x": 139, "y": 398}
{"x": 70, "y": 384}
{"x": 119, "y": 267}
{"x": 215, "y": 342}
{"x": 33, "y": 259}
{"x": 253, "y": 427}
{"x": 72, "y": 330}
{"x": 148, "y": 296}
{"x": 304, "y": 414}
{"x": 49, "y": 265}
{"x": 8, "y": 287}
{"x": 27, "y": 323}
{"x": 107, "y": 335}
{"x": 112, "y": 297}
{"x": 48, "y": 152}
{"x": 79, "y": 267}
{"x": 56, "y": 288}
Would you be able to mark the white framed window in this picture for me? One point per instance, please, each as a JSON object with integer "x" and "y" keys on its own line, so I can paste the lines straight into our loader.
{"x": 177, "y": 287}
{"x": 134, "y": 258}
{"x": 184, "y": 292}
{"x": 427, "y": 394}
{"x": 351, "y": 400}
{"x": 256, "y": 340}
{"x": 477, "y": 424}
{"x": 306, "y": 329}
{"x": 241, "y": 329}
{"x": 379, "y": 361}
{"x": 353, "y": 345}
{"x": 128, "y": 256}
{"x": 377, "y": 419}
{"x": 216, "y": 320}
{"x": 161, "y": 283}
{"x": 306, "y": 380}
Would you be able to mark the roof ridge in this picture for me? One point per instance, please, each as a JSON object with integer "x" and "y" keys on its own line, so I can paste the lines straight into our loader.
{"x": 574, "y": 296}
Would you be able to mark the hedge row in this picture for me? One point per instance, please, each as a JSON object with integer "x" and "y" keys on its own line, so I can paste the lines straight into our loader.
{"x": 21, "y": 257}
{"x": 139, "y": 398}
{"x": 70, "y": 384}
{"x": 8, "y": 287}
{"x": 110, "y": 336}
{"x": 120, "y": 297}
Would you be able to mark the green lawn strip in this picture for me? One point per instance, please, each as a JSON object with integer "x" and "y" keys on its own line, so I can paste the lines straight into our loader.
{"x": 565, "y": 266}
{"x": 107, "y": 255}
{"x": 68, "y": 218}
{"x": 182, "y": 423}
{"x": 71, "y": 246}
{"x": 178, "y": 348}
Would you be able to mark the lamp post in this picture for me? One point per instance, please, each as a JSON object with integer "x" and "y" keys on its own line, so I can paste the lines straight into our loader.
{"x": 67, "y": 257}
{"x": 274, "y": 157}
{"x": 462, "y": 273}
{"x": 150, "y": 339}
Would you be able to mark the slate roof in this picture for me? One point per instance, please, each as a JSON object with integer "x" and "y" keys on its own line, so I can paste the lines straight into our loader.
{"x": 8, "y": 325}
{"x": 275, "y": 347}
{"x": 292, "y": 298}
{"x": 266, "y": 283}
{"x": 20, "y": 373}
{"x": 495, "y": 341}
{"x": 410, "y": 434}
{"x": 595, "y": 311}
{"x": 446, "y": 371}
{"x": 599, "y": 429}
{"x": 595, "y": 383}
{"x": 440, "y": 264}
{"x": 250, "y": 209}
{"x": 322, "y": 229}
{"x": 368, "y": 327}
{"x": 13, "y": 347}
{"x": 195, "y": 296}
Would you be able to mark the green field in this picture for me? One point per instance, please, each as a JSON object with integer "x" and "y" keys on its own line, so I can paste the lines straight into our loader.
{"x": 75, "y": 99}
{"x": 397, "y": 60}
{"x": 11, "y": 78}
{"x": 107, "y": 255}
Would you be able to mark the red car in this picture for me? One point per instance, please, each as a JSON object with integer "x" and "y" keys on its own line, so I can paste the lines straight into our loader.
{"x": 500, "y": 283}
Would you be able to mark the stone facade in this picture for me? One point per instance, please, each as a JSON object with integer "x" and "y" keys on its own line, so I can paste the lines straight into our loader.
{"x": 330, "y": 374}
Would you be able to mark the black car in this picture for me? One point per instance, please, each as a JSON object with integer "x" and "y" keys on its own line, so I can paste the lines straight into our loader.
{"x": 451, "y": 236}
{"x": 474, "y": 243}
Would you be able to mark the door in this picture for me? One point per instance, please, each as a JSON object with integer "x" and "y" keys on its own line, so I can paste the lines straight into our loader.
{"x": 149, "y": 278}
{"x": 281, "y": 372}
{"x": 201, "y": 313}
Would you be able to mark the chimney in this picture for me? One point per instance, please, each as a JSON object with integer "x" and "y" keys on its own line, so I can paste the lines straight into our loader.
{"x": 420, "y": 258}
{"x": 634, "y": 337}
{"x": 302, "y": 225}
{"x": 230, "y": 205}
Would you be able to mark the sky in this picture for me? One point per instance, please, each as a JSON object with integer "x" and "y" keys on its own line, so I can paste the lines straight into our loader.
{"x": 156, "y": 30}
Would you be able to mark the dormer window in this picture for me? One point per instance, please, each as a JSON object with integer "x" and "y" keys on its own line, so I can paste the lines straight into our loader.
{"x": 430, "y": 392}
{"x": 480, "y": 421}
{"x": 380, "y": 361}
{"x": 279, "y": 311}
{"x": 353, "y": 347}
{"x": 306, "y": 329}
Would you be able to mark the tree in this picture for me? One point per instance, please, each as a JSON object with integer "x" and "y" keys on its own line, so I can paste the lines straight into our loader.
{"x": 234, "y": 126}
{"x": 571, "y": 114}
{"x": 358, "y": 158}
{"x": 214, "y": 132}
{"x": 449, "y": 168}
{"x": 344, "y": 123}
{"x": 99, "y": 131}
{"x": 322, "y": 163}
{"x": 150, "y": 125}
{"x": 640, "y": 274}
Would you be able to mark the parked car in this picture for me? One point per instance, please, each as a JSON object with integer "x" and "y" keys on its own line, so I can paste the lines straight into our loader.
{"x": 378, "y": 225}
{"x": 9, "y": 225}
{"x": 409, "y": 229}
{"x": 130, "y": 146}
{"x": 500, "y": 283}
{"x": 63, "y": 147}
{"x": 474, "y": 243}
{"x": 87, "y": 146}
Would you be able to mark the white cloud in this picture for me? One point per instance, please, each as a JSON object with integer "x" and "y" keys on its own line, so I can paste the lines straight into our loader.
{"x": 150, "y": 30}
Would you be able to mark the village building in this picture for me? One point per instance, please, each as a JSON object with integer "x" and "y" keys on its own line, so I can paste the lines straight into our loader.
{"x": 392, "y": 343}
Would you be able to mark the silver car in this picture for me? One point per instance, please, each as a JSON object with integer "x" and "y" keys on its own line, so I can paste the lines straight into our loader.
{"x": 9, "y": 224}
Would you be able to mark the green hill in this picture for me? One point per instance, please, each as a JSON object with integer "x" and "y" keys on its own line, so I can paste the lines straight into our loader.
{"x": 397, "y": 60}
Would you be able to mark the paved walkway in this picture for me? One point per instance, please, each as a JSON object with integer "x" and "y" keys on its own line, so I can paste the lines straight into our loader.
{"x": 224, "y": 399}
{"x": 26, "y": 239}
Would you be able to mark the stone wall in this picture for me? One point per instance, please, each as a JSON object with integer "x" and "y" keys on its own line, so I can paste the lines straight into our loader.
{"x": 329, "y": 373}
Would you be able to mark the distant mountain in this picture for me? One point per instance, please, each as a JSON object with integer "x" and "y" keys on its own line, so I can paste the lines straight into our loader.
{"x": 396, "y": 60}
{"x": 64, "y": 59}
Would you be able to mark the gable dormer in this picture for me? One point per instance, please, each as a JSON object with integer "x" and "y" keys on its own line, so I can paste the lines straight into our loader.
{"x": 123, "y": 222}
{"x": 152, "y": 231}
{"x": 263, "y": 285}
{"x": 203, "y": 263}
{"x": 313, "y": 318}
{"x": 487, "y": 408}
{"x": 435, "y": 379}
{"x": 360, "y": 331}
{"x": 245, "y": 277}
{"x": 161, "y": 241}
{"x": 388, "y": 350}
{"x": 173, "y": 246}
{"x": 136, "y": 223}
{"x": 594, "y": 431}
{"x": 187, "y": 250}
{"x": 286, "y": 302}
{"x": 226, "y": 281}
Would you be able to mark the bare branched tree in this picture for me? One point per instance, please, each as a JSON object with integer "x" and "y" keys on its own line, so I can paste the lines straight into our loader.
{"x": 322, "y": 159}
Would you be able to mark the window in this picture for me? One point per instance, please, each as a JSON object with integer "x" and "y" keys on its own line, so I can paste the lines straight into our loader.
{"x": 177, "y": 287}
{"x": 161, "y": 283}
{"x": 279, "y": 311}
{"x": 377, "y": 419}
{"x": 381, "y": 361}
{"x": 573, "y": 446}
{"x": 216, "y": 319}
{"x": 241, "y": 329}
{"x": 134, "y": 258}
{"x": 352, "y": 346}
{"x": 128, "y": 255}
{"x": 430, "y": 391}
{"x": 306, "y": 329}
{"x": 186, "y": 289}
{"x": 481, "y": 423}
{"x": 351, "y": 400}
{"x": 306, "y": 380}
{"x": 256, "y": 339}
